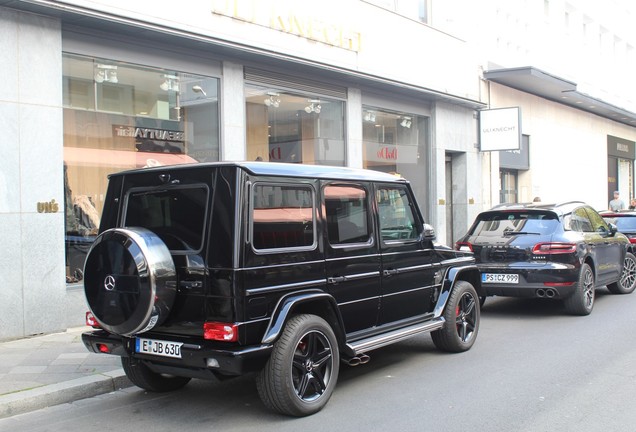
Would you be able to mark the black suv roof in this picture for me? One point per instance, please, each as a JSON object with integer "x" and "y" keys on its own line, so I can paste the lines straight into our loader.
{"x": 559, "y": 208}
{"x": 285, "y": 169}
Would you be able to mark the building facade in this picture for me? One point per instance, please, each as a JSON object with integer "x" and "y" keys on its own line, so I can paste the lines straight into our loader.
{"x": 96, "y": 87}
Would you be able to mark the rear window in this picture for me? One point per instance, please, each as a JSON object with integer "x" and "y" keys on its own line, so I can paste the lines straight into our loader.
{"x": 623, "y": 223}
{"x": 508, "y": 223}
{"x": 176, "y": 215}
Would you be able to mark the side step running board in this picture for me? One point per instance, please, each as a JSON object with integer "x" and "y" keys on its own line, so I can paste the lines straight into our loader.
{"x": 384, "y": 339}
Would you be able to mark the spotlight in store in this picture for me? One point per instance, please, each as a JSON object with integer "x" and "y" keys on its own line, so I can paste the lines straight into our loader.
{"x": 272, "y": 100}
{"x": 105, "y": 73}
{"x": 369, "y": 116}
{"x": 199, "y": 89}
{"x": 170, "y": 82}
{"x": 314, "y": 106}
{"x": 406, "y": 122}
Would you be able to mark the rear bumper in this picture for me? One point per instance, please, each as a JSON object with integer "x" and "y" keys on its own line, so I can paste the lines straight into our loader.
{"x": 549, "y": 280}
{"x": 195, "y": 355}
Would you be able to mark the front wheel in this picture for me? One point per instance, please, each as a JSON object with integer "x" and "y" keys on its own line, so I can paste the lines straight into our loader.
{"x": 627, "y": 283}
{"x": 301, "y": 373}
{"x": 461, "y": 320}
{"x": 142, "y": 376}
{"x": 581, "y": 301}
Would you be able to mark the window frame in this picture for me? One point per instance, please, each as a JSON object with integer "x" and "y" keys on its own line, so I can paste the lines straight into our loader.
{"x": 417, "y": 218}
{"x": 369, "y": 216}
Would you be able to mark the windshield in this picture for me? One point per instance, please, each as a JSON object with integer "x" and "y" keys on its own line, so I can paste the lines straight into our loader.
{"x": 501, "y": 224}
{"x": 176, "y": 215}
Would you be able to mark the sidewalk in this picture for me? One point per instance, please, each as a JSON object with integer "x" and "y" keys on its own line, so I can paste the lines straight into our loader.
{"x": 42, "y": 371}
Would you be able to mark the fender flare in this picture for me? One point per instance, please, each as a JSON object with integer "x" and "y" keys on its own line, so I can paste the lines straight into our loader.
{"x": 468, "y": 273}
{"x": 289, "y": 302}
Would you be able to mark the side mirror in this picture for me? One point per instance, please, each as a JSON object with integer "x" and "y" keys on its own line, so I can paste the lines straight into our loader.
{"x": 428, "y": 233}
{"x": 612, "y": 229}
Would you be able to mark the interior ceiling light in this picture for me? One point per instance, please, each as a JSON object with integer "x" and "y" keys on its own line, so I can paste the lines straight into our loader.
{"x": 105, "y": 73}
{"x": 170, "y": 82}
{"x": 406, "y": 122}
{"x": 369, "y": 116}
{"x": 314, "y": 106}
{"x": 273, "y": 100}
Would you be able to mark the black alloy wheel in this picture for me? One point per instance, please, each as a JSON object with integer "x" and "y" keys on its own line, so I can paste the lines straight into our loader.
{"x": 581, "y": 301}
{"x": 302, "y": 371}
{"x": 627, "y": 283}
{"x": 462, "y": 317}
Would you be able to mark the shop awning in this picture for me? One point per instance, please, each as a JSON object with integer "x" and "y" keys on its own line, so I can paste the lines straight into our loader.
{"x": 77, "y": 156}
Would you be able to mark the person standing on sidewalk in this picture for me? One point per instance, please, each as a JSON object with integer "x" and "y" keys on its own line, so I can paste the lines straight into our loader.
{"x": 617, "y": 203}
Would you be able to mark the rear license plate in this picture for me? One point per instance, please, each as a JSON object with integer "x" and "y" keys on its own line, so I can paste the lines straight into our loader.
{"x": 158, "y": 347}
{"x": 500, "y": 278}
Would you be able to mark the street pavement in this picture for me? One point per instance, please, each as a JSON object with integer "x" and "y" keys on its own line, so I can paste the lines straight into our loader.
{"x": 41, "y": 371}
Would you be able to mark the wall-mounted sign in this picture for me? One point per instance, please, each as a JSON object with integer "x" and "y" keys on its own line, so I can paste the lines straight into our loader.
{"x": 500, "y": 129}
{"x": 620, "y": 147}
{"x": 141, "y": 133}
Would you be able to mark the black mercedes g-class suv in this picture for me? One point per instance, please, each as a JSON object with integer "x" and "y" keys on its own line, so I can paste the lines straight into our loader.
{"x": 221, "y": 269}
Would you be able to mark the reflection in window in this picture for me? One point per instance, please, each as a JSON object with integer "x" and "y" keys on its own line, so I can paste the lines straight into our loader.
{"x": 397, "y": 221}
{"x": 288, "y": 127}
{"x": 347, "y": 215}
{"x": 414, "y": 9}
{"x": 119, "y": 116}
{"x": 282, "y": 217}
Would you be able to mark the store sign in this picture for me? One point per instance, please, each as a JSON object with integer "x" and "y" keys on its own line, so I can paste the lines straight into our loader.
{"x": 500, "y": 129}
{"x": 287, "y": 17}
{"x": 621, "y": 148}
{"x": 391, "y": 153}
{"x": 120, "y": 131}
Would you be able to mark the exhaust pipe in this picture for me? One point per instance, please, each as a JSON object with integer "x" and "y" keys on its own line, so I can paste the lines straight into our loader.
{"x": 549, "y": 293}
{"x": 541, "y": 293}
{"x": 358, "y": 360}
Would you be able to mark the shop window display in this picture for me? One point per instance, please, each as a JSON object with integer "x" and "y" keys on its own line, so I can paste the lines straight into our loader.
{"x": 120, "y": 116}
{"x": 395, "y": 142}
{"x": 288, "y": 127}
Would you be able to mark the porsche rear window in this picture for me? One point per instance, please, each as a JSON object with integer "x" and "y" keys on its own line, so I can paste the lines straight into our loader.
{"x": 507, "y": 223}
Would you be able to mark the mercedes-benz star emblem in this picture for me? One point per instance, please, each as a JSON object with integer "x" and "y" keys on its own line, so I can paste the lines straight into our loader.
{"x": 109, "y": 283}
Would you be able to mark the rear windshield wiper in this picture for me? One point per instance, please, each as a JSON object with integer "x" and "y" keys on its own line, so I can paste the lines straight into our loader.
{"x": 509, "y": 233}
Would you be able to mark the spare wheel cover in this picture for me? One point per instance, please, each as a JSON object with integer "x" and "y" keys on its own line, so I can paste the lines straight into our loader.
{"x": 129, "y": 280}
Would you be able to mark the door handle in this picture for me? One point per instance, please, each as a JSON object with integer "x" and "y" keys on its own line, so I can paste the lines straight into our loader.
{"x": 190, "y": 284}
{"x": 389, "y": 272}
{"x": 336, "y": 279}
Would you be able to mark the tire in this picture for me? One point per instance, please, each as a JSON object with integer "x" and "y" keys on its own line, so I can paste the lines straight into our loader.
{"x": 129, "y": 280}
{"x": 302, "y": 372}
{"x": 581, "y": 301}
{"x": 627, "y": 283}
{"x": 462, "y": 316}
{"x": 141, "y": 376}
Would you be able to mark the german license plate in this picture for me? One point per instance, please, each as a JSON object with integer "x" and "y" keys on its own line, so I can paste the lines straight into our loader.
{"x": 158, "y": 347}
{"x": 500, "y": 278}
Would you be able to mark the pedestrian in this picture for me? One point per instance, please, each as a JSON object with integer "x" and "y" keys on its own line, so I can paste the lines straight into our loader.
{"x": 536, "y": 199}
{"x": 617, "y": 203}
{"x": 632, "y": 204}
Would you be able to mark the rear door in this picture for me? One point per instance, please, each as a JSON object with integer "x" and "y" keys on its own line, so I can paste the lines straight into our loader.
{"x": 351, "y": 251}
{"x": 609, "y": 248}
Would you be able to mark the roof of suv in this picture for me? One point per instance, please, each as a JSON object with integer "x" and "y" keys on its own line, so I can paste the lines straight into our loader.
{"x": 559, "y": 208}
{"x": 287, "y": 170}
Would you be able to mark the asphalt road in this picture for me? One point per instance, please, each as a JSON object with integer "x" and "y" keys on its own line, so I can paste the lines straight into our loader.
{"x": 532, "y": 368}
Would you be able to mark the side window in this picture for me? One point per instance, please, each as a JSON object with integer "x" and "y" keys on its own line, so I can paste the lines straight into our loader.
{"x": 282, "y": 216}
{"x": 579, "y": 221}
{"x": 397, "y": 221}
{"x": 598, "y": 223}
{"x": 346, "y": 210}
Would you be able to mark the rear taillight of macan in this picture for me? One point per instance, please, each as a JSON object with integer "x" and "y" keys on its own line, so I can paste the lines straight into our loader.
{"x": 553, "y": 248}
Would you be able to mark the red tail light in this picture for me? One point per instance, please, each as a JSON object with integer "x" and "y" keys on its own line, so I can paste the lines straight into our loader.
{"x": 553, "y": 248}
{"x": 464, "y": 246}
{"x": 220, "y": 331}
{"x": 91, "y": 321}
{"x": 632, "y": 239}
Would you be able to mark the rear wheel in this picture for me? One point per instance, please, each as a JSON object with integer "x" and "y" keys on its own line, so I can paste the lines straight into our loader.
{"x": 302, "y": 372}
{"x": 627, "y": 283}
{"x": 461, "y": 320}
{"x": 581, "y": 301}
{"x": 142, "y": 376}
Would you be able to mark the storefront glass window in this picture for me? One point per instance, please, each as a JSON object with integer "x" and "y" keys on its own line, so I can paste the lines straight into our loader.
{"x": 120, "y": 116}
{"x": 395, "y": 142}
{"x": 289, "y": 127}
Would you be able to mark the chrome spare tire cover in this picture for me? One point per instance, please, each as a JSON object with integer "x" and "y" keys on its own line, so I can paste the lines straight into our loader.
{"x": 129, "y": 280}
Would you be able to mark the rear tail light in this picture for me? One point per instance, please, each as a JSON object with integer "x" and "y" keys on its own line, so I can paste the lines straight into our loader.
{"x": 91, "y": 321}
{"x": 223, "y": 332}
{"x": 553, "y": 248}
{"x": 464, "y": 246}
{"x": 632, "y": 239}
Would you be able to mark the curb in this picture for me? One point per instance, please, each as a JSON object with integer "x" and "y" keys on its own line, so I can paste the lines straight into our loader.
{"x": 55, "y": 394}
